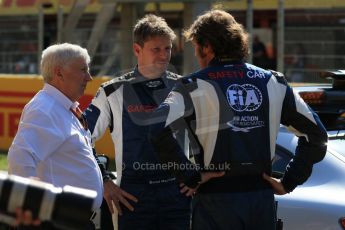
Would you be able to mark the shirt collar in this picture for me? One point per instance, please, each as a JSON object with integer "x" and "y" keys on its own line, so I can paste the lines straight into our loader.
{"x": 224, "y": 61}
{"x": 60, "y": 97}
{"x": 141, "y": 77}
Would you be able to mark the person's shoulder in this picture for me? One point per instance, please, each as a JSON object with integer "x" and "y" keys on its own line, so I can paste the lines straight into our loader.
{"x": 113, "y": 84}
{"x": 42, "y": 107}
{"x": 189, "y": 82}
{"x": 119, "y": 80}
{"x": 173, "y": 76}
{"x": 193, "y": 77}
{"x": 42, "y": 102}
{"x": 279, "y": 76}
{"x": 276, "y": 73}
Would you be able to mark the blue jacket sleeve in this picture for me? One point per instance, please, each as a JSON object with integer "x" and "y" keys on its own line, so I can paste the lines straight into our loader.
{"x": 311, "y": 148}
{"x": 172, "y": 113}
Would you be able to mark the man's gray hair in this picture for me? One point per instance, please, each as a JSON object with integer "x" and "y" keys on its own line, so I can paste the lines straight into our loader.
{"x": 59, "y": 55}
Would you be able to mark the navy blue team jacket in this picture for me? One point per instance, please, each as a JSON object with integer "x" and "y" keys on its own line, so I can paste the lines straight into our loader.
{"x": 233, "y": 111}
{"x": 123, "y": 105}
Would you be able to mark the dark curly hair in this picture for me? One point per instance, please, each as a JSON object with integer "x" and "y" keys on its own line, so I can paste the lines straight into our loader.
{"x": 220, "y": 30}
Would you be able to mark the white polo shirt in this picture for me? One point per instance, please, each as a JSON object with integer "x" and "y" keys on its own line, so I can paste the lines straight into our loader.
{"x": 51, "y": 144}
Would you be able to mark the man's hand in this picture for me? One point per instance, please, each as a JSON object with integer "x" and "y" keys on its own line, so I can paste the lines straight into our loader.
{"x": 25, "y": 218}
{"x": 205, "y": 176}
{"x": 187, "y": 190}
{"x": 114, "y": 194}
{"x": 277, "y": 186}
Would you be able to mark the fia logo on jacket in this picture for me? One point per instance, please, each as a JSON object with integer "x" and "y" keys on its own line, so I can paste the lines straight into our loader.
{"x": 246, "y": 97}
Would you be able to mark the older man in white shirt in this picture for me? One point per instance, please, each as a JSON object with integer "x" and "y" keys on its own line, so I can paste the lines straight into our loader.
{"x": 53, "y": 142}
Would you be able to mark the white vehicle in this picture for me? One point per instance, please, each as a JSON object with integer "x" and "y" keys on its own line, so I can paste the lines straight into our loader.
{"x": 320, "y": 202}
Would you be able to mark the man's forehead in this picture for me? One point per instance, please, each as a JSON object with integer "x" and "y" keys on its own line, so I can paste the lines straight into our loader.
{"x": 79, "y": 60}
{"x": 76, "y": 62}
{"x": 158, "y": 39}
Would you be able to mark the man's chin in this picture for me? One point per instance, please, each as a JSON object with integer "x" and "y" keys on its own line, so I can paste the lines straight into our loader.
{"x": 162, "y": 67}
{"x": 82, "y": 92}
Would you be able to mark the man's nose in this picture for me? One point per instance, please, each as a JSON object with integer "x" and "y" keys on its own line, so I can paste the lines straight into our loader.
{"x": 89, "y": 77}
{"x": 164, "y": 55}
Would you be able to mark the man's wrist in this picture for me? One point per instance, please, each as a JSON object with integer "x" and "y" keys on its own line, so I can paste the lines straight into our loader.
{"x": 194, "y": 180}
{"x": 106, "y": 177}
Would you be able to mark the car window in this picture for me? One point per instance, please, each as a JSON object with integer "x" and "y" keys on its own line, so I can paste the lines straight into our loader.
{"x": 280, "y": 161}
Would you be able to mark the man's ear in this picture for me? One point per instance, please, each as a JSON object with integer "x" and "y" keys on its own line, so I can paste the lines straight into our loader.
{"x": 136, "y": 49}
{"x": 58, "y": 72}
{"x": 207, "y": 48}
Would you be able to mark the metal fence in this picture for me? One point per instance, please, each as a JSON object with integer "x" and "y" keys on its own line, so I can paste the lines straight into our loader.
{"x": 310, "y": 46}
{"x": 18, "y": 44}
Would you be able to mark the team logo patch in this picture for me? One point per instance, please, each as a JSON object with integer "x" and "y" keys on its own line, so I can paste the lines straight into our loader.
{"x": 244, "y": 97}
{"x": 245, "y": 123}
{"x": 154, "y": 83}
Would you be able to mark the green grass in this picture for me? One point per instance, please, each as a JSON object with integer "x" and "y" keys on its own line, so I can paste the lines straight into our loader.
{"x": 3, "y": 161}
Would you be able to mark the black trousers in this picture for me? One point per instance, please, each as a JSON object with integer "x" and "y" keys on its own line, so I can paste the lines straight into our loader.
{"x": 254, "y": 210}
{"x": 106, "y": 218}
